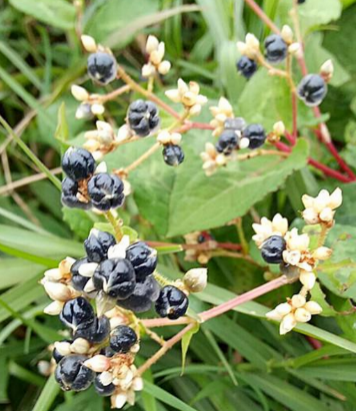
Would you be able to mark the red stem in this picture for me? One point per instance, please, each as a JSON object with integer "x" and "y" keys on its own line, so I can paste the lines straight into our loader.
{"x": 263, "y": 16}
{"x": 316, "y": 344}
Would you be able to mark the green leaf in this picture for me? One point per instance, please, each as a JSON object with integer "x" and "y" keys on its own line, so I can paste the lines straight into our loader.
{"x": 17, "y": 271}
{"x": 48, "y": 395}
{"x": 62, "y": 131}
{"x": 166, "y": 397}
{"x": 80, "y": 221}
{"x": 186, "y": 342}
{"x": 38, "y": 259}
{"x": 58, "y": 13}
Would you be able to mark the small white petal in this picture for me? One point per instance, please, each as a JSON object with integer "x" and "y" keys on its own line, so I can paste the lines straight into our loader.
{"x": 106, "y": 378}
{"x": 97, "y": 109}
{"x": 273, "y": 315}
{"x": 287, "y": 34}
{"x": 89, "y": 43}
{"x": 164, "y": 67}
{"x": 302, "y": 315}
{"x": 287, "y": 324}
{"x": 173, "y": 95}
{"x": 244, "y": 143}
{"x": 119, "y": 250}
{"x": 101, "y": 168}
{"x": 307, "y": 279}
{"x": 87, "y": 270}
{"x": 308, "y": 201}
{"x": 54, "y": 308}
{"x": 335, "y": 199}
{"x": 322, "y": 253}
{"x": 310, "y": 216}
{"x": 119, "y": 400}
{"x": 298, "y": 301}
{"x": 327, "y": 215}
{"x": 63, "y": 347}
{"x": 137, "y": 384}
{"x": 283, "y": 309}
{"x": 89, "y": 286}
{"x": 53, "y": 274}
{"x": 80, "y": 346}
{"x": 98, "y": 363}
{"x": 313, "y": 307}
{"x": 58, "y": 291}
{"x": 79, "y": 93}
{"x": 152, "y": 44}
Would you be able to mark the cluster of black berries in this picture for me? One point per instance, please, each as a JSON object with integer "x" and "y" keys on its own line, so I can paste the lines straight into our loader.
{"x": 143, "y": 117}
{"x": 237, "y": 135}
{"x": 128, "y": 279}
{"x": 102, "y": 67}
{"x": 84, "y": 189}
{"x": 276, "y": 50}
{"x": 71, "y": 372}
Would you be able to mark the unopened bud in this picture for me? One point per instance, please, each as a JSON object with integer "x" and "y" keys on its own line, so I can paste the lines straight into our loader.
{"x": 152, "y": 44}
{"x": 79, "y": 93}
{"x": 87, "y": 270}
{"x": 89, "y": 43}
{"x": 287, "y": 34}
{"x": 80, "y": 346}
{"x": 307, "y": 279}
{"x": 327, "y": 70}
{"x": 279, "y": 128}
{"x": 58, "y": 291}
{"x": 296, "y": 50}
{"x": 313, "y": 307}
{"x": 196, "y": 279}
{"x": 287, "y": 324}
{"x": 322, "y": 253}
{"x": 53, "y": 274}
{"x": 97, "y": 109}
{"x": 164, "y": 67}
{"x": 63, "y": 347}
{"x": 98, "y": 363}
{"x": 54, "y": 308}
{"x": 298, "y": 301}
{"x": 302, "y": 315}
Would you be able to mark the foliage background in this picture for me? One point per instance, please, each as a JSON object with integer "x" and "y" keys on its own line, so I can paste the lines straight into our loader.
{"x": 40, "y": 57}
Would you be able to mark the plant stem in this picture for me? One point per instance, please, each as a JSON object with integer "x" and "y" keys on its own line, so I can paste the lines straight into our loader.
{"x": 262, "y": 15}
{"x": 115, "y": 225}
{"x": 323, "y": 234}
{"x": 114, "y": 94}
{"x": 144, "y": 157}
{"x": 241, "y": 233}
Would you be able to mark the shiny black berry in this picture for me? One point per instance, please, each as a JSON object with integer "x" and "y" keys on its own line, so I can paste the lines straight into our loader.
{"x": 71, "y": 374}
{"x": 102, "y": 67}
{"x": 312, "y": 89}
{"x": 78, "y": 280}
{"x": 301, "y": 1}
{"x": 97, "y": 245}
{"x": 143, "y": 259}
{"x": 246, "y": 67}
{"x": 103, "y": 390}
{"x": 116, "y": 277}
{"x": 275, "y": 48}
{"x": 236, "y": 124}
{"x": 145, "y": 293}
{"x": 255, "y": 134}
{"x": 78, "y": 163}
{"x": 106, "y": 191}
{"x": 173, "y": 155}
{"x": 227, "y": 142}
{"x": 272, "y": 249}
{"x": 122, "y": 339}
{"x": 171, "y": 303}
{"x": 107, "y": 351}
{"x": 77, "y": 314}
{"x": 95, "y": 332}
{"x": 143, "y": 117}
{"x": 71, "y": 195}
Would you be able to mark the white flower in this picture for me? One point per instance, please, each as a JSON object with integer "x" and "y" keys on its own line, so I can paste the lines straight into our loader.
{"x": 212, "y": 160}
{"x": 322, "y": 253}
{"x": 188, "y": 95}
{"x": 308, "y": 279}
{"x": 221, "y": 113}
{"x": 287, "y": 324}
{"x": 119, "y": 250}
{"x": 287, "y": 34}
{"x": 98, "y": 363}
{"x": 166, "y": 137}
{"x": 196, "y": 279}
{"x": 54, "y": 308}
{"x": 89, "y": 43}
{"x": 279, "y": 128}
{"x": 267, "y": 228}
{"x": 155, "y": 50}
{"x": 327, "y": 70}
{"x": 321, "y": 209}
{"x": 249, "y": 48}
{"x": 57, "y": 291}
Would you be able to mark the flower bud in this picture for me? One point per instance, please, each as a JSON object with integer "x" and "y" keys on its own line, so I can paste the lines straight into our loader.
{"x": 137, "y": 384}
{"x": 196, "y": 279}
{"x": 283, "y": 309}
{"x": 106, "y": 378}
{"x": 274, "y": 315}
{"x": 98, "y": 363}
{"x": 80, "y": 346}
{"x": 322, "y": 253}
{"x": 97, "y": 109}
{"x": 298, "y": 301}
{"x": 53, "y": 274}
{"x": 89, "y": 43}
{"x": 335, "y": 199}
{"x": 148, "y": 70}
{"x": 152, "y": 44}
{"x": 296, "y": 50}
{"x": 307, "y": 279}
{"x": 302, "y": 315}
{"x": 54, "y": 308}
{"x": 79, "y": 93}
{"x": 58, "y": 291}
{"x": 327, "y": 70}
{"x": 279, "y": 128}
{"x": 87, "y": 269}
{"x": 287, "y": 34}
{"x": 118, "y": 401}
{"x": 244, "y": 143}
{"x": 310, "y": 216}
{"x": 287, "y": 324}
{"x": 164, "y": 67}
{"x": 327, "y": 215}
{"x": 63, "y": 347}
{"x": 313, "y": 307}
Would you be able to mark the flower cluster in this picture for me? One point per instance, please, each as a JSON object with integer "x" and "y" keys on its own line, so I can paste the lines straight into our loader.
{"x": 155, "y": 50}
{"x": 90, "y": 104}
{"x": 102, "y": 344}
{"x": 297, "y": 260}
{"x": 188, "y": 95}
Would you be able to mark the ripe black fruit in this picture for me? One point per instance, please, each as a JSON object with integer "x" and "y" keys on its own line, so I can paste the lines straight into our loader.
{"x": 78, "y": 163}
{"x": 171, "y": 303}
{"x": 143, "y": 259}
{"x": 71, "y": 374}
{"x": 173, "y": 155}
{"x": 312, "y": 89}
{"x": 275, "y": 48}
{"x": 272, "y": 249}
{"x": 143, "y": 117}
{"x": 77, "y": 314}
{"x": 256, "y": 135}
{"x": 122, "y": 339}
{"x": 227, "y": 142}
{"x": 246, "y": 67}
{"x": 106, "y": 191}
{"x": 102, "y": 67}
{"x": 97, "y": 245}
{"x": 70, "y": 189}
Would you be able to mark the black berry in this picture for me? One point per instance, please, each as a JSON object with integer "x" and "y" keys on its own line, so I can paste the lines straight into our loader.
{"x": 102, "y": 67}
{"x": 116, "y": 277}
{"x": 143, "y": 259}
{"x": 275, "y": 48}
{"x": 173, "y": 155}
{"x": 70, "y": 194}
{"x": 236, "y": 124}
{"x": 143, "y": 117}
{"x": 97, "y": 245}
{"x": 145, "y": 293}
{"x": 77, "y": 314}
{"x": 312, "y": 89}
{"x": 78, "y": 163}
{"x": 78, "y": 280}
{"x": 272, "y": 249}
{"x": 255, "y": 134}
{"x": 246, "y": 67}
{"x": 106, "y": 191}
{"x": 96, "y": 332}
{"x": 103, "y": 390}
{"x": 301, "y": 1}
{"x": 171, "y": 303}
{"x": 227, "y": 142}
{"x": 122, "y": 339}
{"x": 71, "y": 374}
{"x": 107, "y": 351}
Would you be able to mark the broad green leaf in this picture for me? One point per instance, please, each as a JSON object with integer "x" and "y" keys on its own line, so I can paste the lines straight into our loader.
{"x": 334, "y": 370}
{"x": 166, "y": 397}
{"x": 16, "y": 271}
{"x": 88, "y": 400}
{"x": 186, "y": 342}
{"x": 58, "y": 13}
{"x": 21, "y": 221}
{"x": 80, "y": 221}
{"x": 62, "y": 131}
{"x": 14, "y": 252}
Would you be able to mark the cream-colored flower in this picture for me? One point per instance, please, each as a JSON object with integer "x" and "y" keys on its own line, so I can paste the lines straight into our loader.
{"x": 267, "y": 228}
{"x": 327, "y": 70}
{"x": 321, "y": 209}
{"x": 221, "y": 113}
{"x": 212, "y": 159}
{"x": 249, "y": 48}
{"x": 167, "y": 137}
{"x": 155, "y": 50}
{"x": 287, "y": 34}
{"x": 295, "y": 311}
{"x": 188, "y": 95}
{"x": 91, "y": 104}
